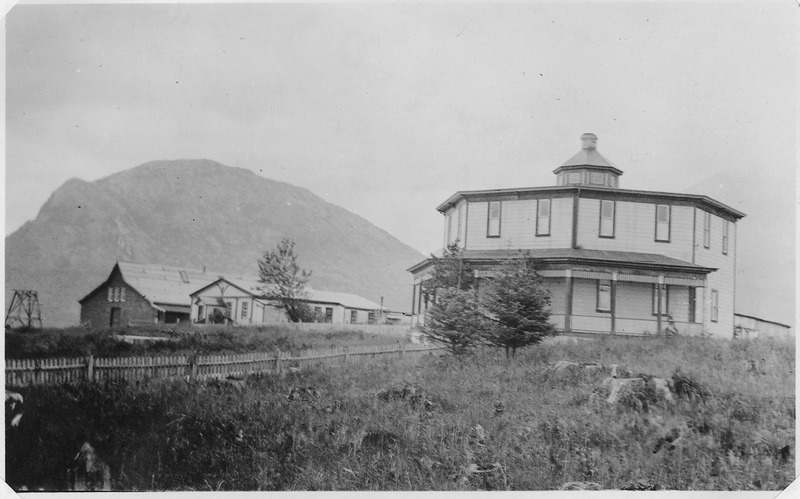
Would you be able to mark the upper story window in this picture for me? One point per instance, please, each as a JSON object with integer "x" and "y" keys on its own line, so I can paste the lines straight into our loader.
{"x": 597, "y": 178}
{"x": 493, "y": 222}
{"x": 574, "y": 177}
{"x": 662, "y": 222}
{"x": 603, "y": 295}
{"x": 706, "y": 230}
{"x": 607, "y": 218}
{"x": 450, "y": 227}
{"x": 184, "y": 276}
{"x": 543, "y": 217}
{"x": 725, "y": 232}
{"x": 116, "y": 294}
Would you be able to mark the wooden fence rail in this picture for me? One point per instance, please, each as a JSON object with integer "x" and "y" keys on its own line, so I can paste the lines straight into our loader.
{"x": 21, "y": 372}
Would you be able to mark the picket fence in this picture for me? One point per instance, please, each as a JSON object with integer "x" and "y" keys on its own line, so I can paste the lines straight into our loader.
{"x": 21, "y": 372}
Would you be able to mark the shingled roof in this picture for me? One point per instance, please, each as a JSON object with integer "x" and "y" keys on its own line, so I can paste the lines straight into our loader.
{"x": 253, "y": 286}
{"x": 557, "y": 255}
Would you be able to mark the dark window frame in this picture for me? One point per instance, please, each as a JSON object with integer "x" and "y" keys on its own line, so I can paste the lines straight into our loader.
{"x": 714, "y": 305}
{"x": 725, "y": 236}
{"x": 668, "y": 222}
{"x": 600, "y": 283}
{"x": 692, "y": 304}
{"x": 489, "y": 218}
{"x": 654, "y": 298}
{"x": 613, "y": 219}
{"x": 539, "y": 217}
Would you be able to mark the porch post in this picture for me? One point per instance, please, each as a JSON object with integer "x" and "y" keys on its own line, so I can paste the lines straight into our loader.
{"x": 614, "y": 276}
{"x": 659, "y": 284}
{"x": 568, "y": 307}
{"x": 413, "y": 300}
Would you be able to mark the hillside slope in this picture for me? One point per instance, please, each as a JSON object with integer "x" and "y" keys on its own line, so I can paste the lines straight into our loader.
{"x": 196, "y": 213}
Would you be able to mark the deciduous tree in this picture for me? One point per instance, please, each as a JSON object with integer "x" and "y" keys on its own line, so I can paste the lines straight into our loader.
{"x": 284, "y": 281}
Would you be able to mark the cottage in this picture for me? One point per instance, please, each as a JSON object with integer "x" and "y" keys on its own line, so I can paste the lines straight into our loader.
{"x": 143, "y": 294}
{"x": 748, "y": 327}
{"x": 615, "y": 260}
{"x": 243, "y": 301}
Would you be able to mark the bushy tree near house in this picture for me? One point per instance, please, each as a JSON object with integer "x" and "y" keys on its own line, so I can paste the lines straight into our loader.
{"x": 511, "y": 311}
{"x": 284, "y": 281}
{"x": 455, "y": 320}
{"x": 519, "y": 307}
{"x": 450, "y": 271}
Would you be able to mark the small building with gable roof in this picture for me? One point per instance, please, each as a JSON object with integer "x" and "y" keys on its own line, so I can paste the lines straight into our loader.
{"x": 137, "y": 293}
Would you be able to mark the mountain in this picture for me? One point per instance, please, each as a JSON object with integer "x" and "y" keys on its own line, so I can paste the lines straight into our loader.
{"x": 765, "y": 243}
{"x": 196, "y": 213}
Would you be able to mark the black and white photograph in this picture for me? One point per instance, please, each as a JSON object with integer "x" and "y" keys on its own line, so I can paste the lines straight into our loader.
{"x": 401, "y": 247}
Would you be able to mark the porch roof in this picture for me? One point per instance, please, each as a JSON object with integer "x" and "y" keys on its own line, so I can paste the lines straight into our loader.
{"x": 630, "y": 259}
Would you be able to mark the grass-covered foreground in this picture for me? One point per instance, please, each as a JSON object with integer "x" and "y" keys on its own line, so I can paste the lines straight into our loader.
{"x": 440, "y": 423}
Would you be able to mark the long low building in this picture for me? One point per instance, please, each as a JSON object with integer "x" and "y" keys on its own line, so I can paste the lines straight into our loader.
{"x": 747, "y": 327}
{"x": 137, "y": 294}
{"x": 243, "y": 301}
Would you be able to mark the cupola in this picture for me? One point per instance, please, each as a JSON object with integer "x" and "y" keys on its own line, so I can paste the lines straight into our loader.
{"x": 588, "y": 167}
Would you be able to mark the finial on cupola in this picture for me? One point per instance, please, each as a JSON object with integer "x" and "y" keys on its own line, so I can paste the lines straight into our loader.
{"x": 589, "y": 141}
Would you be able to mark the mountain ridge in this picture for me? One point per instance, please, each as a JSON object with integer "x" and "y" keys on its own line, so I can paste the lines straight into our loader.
{"x": 195, "y": 213}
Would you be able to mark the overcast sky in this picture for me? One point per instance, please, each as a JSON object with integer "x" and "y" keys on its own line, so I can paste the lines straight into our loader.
{"x": 387, "y": 110}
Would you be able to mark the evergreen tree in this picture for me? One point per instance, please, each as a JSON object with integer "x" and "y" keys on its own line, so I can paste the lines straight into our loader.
{"x": 284, "y": 281}
{"x": 519, "y": 307}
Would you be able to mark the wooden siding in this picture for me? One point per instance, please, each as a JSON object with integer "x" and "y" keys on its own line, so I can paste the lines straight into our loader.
{"x": 518, "y": 226}
{"x": 634, "y": 229}
{"x": 558, "y": 294}
{"x": 96, "y": 309}
{"x": 723, "y": 279}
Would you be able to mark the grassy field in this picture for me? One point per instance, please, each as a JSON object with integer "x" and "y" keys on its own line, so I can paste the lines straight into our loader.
{"x": 441, "y": 423}
{"x": 80, "y": 342}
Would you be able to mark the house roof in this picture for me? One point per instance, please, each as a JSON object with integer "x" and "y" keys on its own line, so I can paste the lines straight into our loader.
{"x": 161, "y": 284}
{"x": 587, "y": 256}
{"x": 606, "y": 192}
{"x": 254, "y": 287}
{"x": 588, "y": 157}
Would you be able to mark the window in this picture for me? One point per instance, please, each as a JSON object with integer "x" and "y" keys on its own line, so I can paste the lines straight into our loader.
{"x": 462, "y": 210}
{"x": 692, "y": 304}
{"x": 228, "y": 309}
{"x": 328, "y": 314}
{"x": 353, "y": 316}
{"x": 574, "y": 178}
{"x": 543, "y": 217}
{"x": 116, "y": 294}
{"x": 493, "y": 222}
{"x": 597, "y": 178}
{"x": 664, "y": 299}
{"x": 607, "y": 218}
{"x": 714, "y": 305}
{"x": 244, "y": 310}
{"x": 662, "y": 222}
{"x": 706, "y": 230}
{"x": 184, "y": 276}
{"x": 725, "y": 231}
{"x": 450, "y": 227}
{"x": 371, "y": 317}
{"x": 604, "y": 296}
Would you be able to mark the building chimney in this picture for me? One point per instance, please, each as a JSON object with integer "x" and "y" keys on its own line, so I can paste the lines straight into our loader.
{"x": 589, "y": 141}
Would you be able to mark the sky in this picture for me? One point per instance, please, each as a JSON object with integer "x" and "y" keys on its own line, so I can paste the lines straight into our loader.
{"x": 388, "y": 109}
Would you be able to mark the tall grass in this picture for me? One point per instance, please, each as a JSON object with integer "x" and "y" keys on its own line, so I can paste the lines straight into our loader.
{"x": 403, "y": 425}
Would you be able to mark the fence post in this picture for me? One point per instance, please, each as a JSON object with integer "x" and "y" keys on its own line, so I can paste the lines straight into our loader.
{"x": 90, "y": 367}
{"x": 279, "y": 363}
{"x": 402, "y": 351}
{"x": 346, "y": 354}
{"x": 192, "y": 366}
